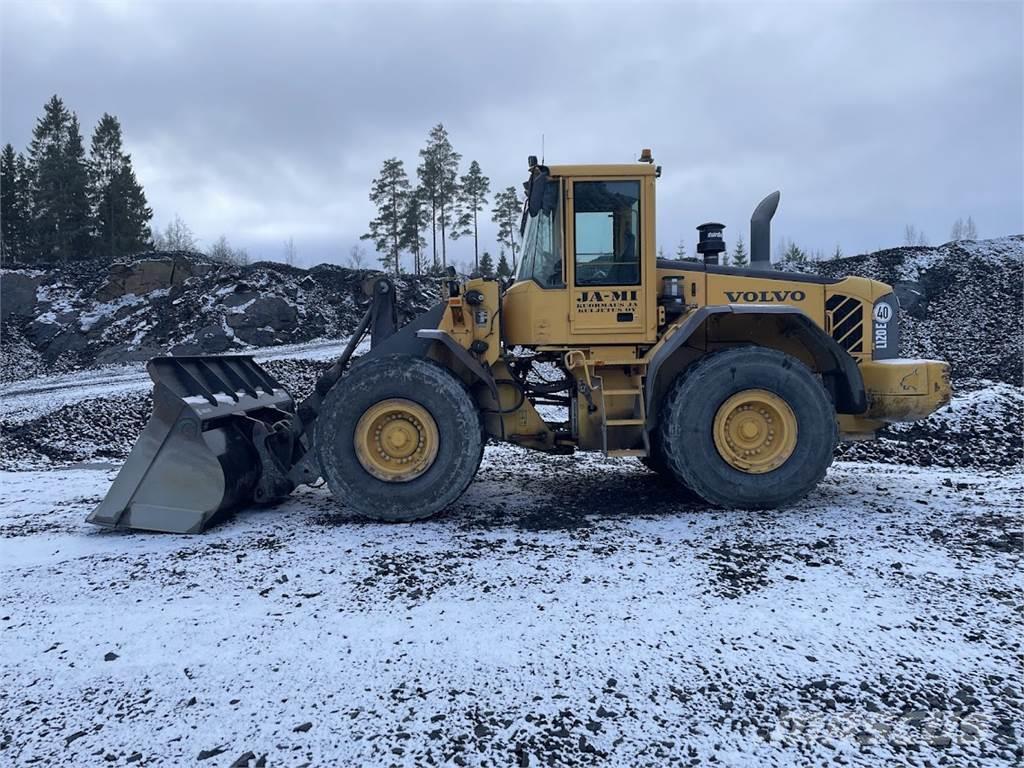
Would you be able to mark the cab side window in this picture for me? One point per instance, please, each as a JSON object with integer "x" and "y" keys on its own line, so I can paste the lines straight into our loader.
{"x": 607, "y": 225}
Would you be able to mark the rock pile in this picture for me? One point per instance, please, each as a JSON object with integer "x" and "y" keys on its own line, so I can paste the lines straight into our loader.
{"x": 90, "y": 314}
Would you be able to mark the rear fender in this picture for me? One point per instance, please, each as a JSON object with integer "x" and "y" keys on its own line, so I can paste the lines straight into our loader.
{"x": 838, "y": 369}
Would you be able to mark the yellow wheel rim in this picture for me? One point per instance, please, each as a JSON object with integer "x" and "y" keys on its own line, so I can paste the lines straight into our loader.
{"x": 755, "y": 431}
{"x": 396, "y": 440}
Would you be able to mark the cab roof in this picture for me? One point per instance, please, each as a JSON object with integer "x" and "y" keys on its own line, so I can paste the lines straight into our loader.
{"x": 608, "y": 169}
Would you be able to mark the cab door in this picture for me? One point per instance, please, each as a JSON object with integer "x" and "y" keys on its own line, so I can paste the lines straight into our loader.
{"x": 607, "y": 241}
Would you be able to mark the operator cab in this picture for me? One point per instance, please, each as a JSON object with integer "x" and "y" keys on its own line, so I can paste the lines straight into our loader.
{"x": 587, "y": 264}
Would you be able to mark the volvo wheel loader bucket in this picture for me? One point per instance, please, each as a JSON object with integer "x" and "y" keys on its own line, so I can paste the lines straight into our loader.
{"x": 204, "y": 450}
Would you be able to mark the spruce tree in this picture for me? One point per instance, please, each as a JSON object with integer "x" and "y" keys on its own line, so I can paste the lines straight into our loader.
{"x": 390, "y": 193}
{"x": 503, "y": 268}
{"x": 795, "y": 258}
{"x": 486, "y": 265}
{"x": 739, "y": 253}
{"x": 507, "y": 213}
{"x": 473, "y": 190}
{"x": 119, "y": 205}
{"x": 15, "y": 209}
{"x": 60, "y": 211}
{"x": 681, "y": 250}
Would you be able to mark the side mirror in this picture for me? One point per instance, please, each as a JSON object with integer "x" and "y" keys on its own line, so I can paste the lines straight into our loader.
{"x": 538, "y": 190}
{"x": 550, "y": 196}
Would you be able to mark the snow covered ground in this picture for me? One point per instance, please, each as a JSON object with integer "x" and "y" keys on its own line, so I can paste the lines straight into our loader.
{"x": 568, "y": 611}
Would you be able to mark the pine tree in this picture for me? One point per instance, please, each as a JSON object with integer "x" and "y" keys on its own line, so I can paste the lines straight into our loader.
{"x": 473, "y": 190}
{"x": 486, "y": 265}
{"x": 506, "y": 213}
{"x": 429, "y": 175}
{"x": 438, "y": 173}
{"x": 503, "y": 268}
{"x": 681, "y": 250}
{"x": 15, "y": 208}
{"x": 448, "y": 186}
{"x": 739, "y": 253}
{"x": 118, "y": 204}
{"x": 61, "y": 223}
{"x": 414, "y": 221}
{"x": 390, "y": 193}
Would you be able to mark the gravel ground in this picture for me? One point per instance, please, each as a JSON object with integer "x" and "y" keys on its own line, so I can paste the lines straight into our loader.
{"x": 567, "y": 611}
{"x": 571, "y": 611}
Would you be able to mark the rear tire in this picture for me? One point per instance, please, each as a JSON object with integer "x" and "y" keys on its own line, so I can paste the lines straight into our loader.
{"x": 442, "y": 410}
{"x": 707, "y": 400}
{"x": 656, "y": 463}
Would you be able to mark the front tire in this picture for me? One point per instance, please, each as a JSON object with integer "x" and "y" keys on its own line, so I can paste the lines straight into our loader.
{"x": 399, "y": 438}
{"x": 748, "y": 427}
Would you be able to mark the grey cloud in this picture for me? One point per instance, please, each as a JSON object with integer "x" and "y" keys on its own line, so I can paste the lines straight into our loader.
{"x": 269, "y": 120}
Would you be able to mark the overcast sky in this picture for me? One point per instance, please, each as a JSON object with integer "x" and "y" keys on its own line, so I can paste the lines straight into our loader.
{"x": 269, "y": 121}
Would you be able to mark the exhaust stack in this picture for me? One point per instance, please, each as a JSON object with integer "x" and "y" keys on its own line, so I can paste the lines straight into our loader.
{"x": 761, "y": 232}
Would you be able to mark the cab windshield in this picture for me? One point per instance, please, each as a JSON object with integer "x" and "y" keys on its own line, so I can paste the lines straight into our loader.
{"x": 542, "y": 244}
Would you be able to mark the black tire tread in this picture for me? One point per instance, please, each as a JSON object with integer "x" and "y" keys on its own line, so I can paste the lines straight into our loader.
{"x": 693, "y": 382}
{"x": 460, "y": 427}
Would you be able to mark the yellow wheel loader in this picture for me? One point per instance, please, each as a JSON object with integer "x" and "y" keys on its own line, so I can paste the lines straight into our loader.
{"x": 736, "y": 383}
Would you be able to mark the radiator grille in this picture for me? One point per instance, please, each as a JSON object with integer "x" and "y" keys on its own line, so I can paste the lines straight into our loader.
{"x": 846, "y": 319}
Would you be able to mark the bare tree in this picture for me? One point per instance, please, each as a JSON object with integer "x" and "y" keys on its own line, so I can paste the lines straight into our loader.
{"x": 289, "y": 252}
{"x": 176, "y": 237}
{"x": 910, "y": 235}
{"x": 957, "y": 233}
{"x": 223, "y": 252}
{"x": 970, "y": 230}
{"x": 357, "y": 257}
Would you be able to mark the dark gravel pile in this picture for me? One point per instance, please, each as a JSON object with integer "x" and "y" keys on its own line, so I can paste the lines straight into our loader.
{"x": 962, "y": 302}
{"x": 94, "y": 314}
{"x": 982, "y": 429}
{"x": 18, "y": 358}
{"x": 92, "y": 430}
{"x": 105, "y": 429}
{"x": 297, "y": 376}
